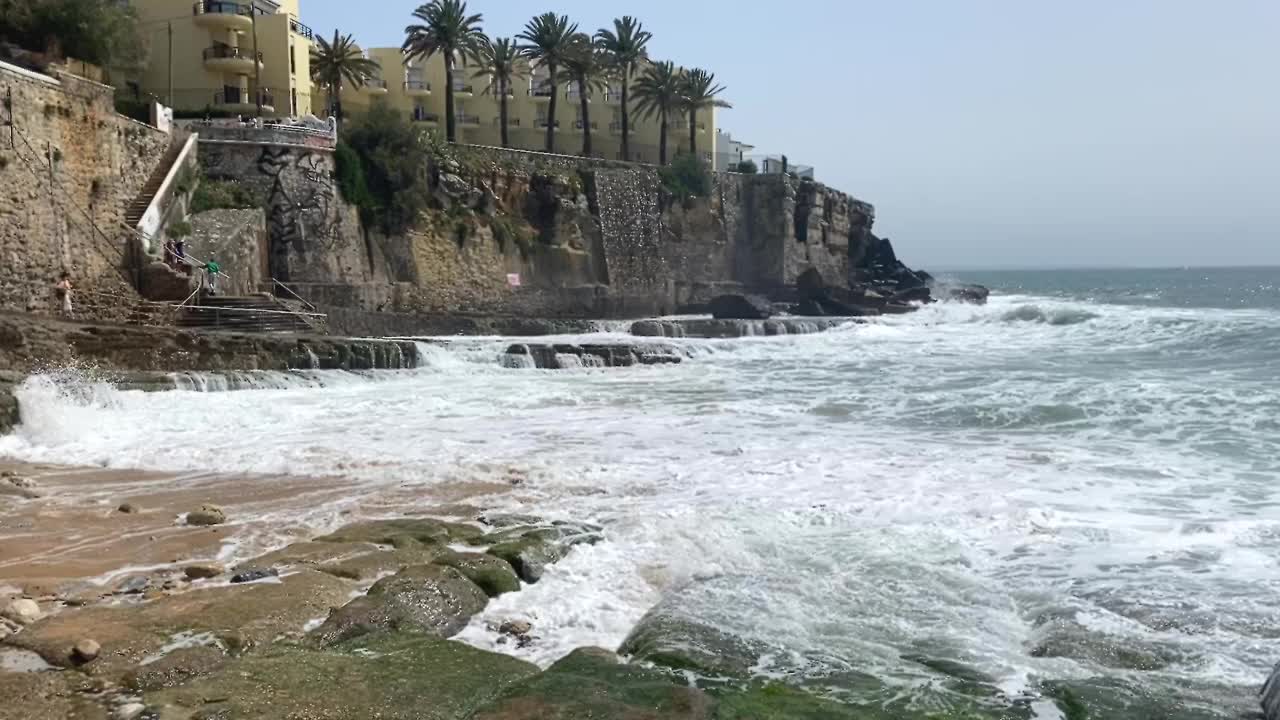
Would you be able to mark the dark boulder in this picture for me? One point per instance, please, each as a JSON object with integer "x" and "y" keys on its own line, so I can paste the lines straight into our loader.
{"x": 808, "y": 308}
{"x": 916, "y": 294}
{"x": 741, "y": 307}
{"x": 976, "y": 294}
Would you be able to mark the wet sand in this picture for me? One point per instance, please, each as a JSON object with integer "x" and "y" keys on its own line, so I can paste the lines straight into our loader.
{"x": 74, "y": 541}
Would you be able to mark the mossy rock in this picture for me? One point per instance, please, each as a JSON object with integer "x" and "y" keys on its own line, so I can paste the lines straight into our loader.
{"x": 388, "y": 676}
{"x": 350, "y": 560}
{"x": 592, "y": 683}
{"x": 775, "y": 701}
{"x": 433, "y": 599}
{"x": 1062, "y": 636}
{"x": 404, "y": 532}
{"x": 241, "y": 616}
{"x": 493, "y": 575}
{"x": 176, "y": 668}
{"x": 1114, "y": 699}
{"x": 531, "y": 549}
{"x": 528, "y": 556}
{"x": 667, "y": 638}
{"x": 45, "y": 695}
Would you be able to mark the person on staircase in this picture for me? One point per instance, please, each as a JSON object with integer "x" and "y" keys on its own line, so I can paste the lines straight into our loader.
{"x": 211, "y": 271}
{"x": 62, "y": 289}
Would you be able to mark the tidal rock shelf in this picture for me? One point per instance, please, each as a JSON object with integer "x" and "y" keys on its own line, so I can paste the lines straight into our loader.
{"x": 712, "y": 328}
{"x": 571, "y": 356}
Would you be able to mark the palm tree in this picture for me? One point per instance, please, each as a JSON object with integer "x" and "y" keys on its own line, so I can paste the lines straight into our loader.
{"x": 660, "y": 91}
{"x": 501, "y": 63}
{"x": 625, "y": 44}
{"x": 700, "y": 91}
{"x": 446, "y": 28}
{"x": 587, "y": 66}
{"x": 548, "y": 38}
{"x": 333, "y": 61}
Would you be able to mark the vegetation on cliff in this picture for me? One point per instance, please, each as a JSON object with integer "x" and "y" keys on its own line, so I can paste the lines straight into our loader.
{"x": 382, "y": 162}
{"x": 95, "y": 31}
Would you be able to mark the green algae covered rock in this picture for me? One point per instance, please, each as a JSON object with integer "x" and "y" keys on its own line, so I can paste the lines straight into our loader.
{"x": 667, "y": 638}
{"x": 433, "y": 599}
{"x": 404, "y": 532}
{"x": 592, "y": 683}
{"x": 492, "y": 574}
{"x": 388, "y": 676}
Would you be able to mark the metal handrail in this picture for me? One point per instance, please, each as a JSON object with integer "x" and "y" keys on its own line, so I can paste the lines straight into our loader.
{"x": 301, "y": 29}
{"x": 417, "y": 85}
{"x": 193, "y": 262}
{"x": 222, "y": 52}
{"x": 294, "y": 294}
{"x": 255, "y": 310}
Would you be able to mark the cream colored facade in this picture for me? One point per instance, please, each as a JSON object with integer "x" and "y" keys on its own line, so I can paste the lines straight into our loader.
{"x": 417, "y": 90}
{"x": 213, "y": 62}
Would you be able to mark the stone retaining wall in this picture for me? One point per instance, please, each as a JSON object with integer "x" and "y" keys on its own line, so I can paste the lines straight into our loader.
{"x": 64, "y": 188}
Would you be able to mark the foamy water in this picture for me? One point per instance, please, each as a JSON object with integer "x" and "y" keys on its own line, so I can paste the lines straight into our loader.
{"x": 940, "y": 483}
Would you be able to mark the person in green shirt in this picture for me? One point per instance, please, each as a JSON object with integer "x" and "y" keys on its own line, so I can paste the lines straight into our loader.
{"x": 211, "y": 270}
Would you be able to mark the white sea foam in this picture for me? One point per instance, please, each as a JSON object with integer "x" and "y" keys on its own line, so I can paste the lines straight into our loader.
{"x": 933, "y": 483}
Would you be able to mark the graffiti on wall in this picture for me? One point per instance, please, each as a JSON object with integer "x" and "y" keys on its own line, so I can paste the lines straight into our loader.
{"x": 301, "y": 216}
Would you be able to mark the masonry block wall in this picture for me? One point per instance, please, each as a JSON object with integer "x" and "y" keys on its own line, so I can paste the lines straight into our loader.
{"x": 69, "y": 167}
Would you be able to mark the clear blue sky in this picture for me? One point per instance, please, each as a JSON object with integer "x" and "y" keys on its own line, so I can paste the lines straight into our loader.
{"x": 986, "y": 132}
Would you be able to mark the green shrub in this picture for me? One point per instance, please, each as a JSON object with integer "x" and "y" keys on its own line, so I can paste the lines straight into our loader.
{"x": 507, "y": 230}
{"x": 747, "y": 167}
{"x": 393, "y": 157}
{"x": 222, "y": 195}
{"x": 350, "y": 172}
{"x": 103, "y": 33}
{"x": 686, "y": 177}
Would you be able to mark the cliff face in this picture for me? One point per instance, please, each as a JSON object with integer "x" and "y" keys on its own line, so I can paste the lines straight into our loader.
{"x": 534, "y": 235}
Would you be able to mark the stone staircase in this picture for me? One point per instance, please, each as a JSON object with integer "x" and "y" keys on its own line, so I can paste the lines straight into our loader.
{"x": 248, "y": 313}
{"x": 138, "y": 207}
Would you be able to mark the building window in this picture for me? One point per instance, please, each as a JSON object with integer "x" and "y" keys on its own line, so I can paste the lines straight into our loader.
{"x": 293, "y": 101}
{"x": 293, "y": 61}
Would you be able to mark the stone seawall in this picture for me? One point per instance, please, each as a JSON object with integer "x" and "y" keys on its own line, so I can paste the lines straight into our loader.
{"x": 65, "y": 185}
{"x": 30, "y": 345}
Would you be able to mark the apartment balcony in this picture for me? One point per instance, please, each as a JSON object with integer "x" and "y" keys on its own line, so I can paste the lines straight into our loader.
{"x": 511, "y": 122}
{"x": 300, "y": 29}
{"x": 577, "y": 125}
{"x": 615, "y": 127}
{"x": 463, "y": 90}
{"x": 417, "y": 87}
{"x": 467, "y": 120}
{"x": 242, "y": 101}
{"x": 428, "y": 118}
{"x": 214, "y": 15}
{"x": 613, "y": 97}
{"x": 227, "y": 59}
{"x": 375, "y": 86}
{"x": 541, "y": 124}
{"x": 542, "y": 93}
{"x": 573, "y": 95}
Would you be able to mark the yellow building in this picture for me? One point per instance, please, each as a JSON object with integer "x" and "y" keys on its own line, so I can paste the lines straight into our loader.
{"x": 417, "y": 89}
{"x": 203, "y": 55}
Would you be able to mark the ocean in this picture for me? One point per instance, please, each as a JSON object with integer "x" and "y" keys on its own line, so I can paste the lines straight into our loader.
{"x": 1076, "y": 482}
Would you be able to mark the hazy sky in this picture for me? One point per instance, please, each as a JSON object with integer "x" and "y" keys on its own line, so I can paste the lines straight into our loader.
{"x": 986, "y": 132}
